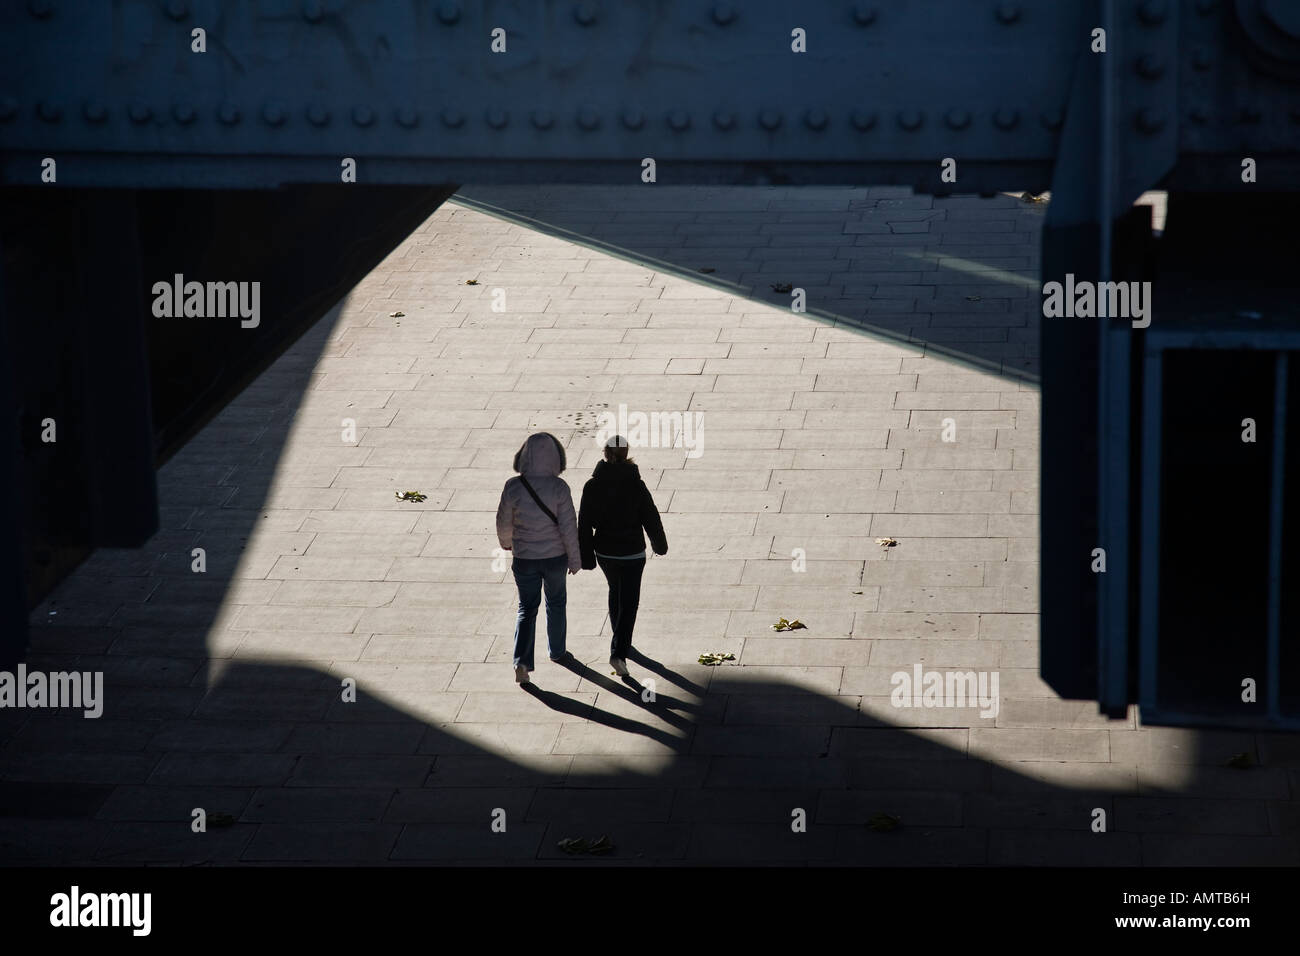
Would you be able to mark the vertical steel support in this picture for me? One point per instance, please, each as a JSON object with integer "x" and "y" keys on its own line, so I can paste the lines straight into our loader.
{"x": 1113, "y": 417}
{"x": 1149, "y": 596}
{"x": 1276, "y": 498}
{"x": 13, "y": 586}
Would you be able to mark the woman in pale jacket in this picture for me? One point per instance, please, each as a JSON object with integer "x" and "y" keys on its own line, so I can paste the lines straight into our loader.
{"x": 536, "y": 521}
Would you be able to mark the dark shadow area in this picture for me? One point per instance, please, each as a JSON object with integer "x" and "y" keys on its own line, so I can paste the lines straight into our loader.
{"x": 128, "y": 318}
{"x": 860, "y": 255}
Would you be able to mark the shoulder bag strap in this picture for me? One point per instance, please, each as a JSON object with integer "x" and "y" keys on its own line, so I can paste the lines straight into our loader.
{"x": 529, "y": 488}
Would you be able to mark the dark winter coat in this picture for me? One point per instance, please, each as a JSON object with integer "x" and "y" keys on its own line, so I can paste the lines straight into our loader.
{"x": 616, "y": 507}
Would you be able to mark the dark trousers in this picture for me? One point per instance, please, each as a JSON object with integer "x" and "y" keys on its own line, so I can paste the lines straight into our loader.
{"x": 624, "y": 577}
{"x": 531, "y": 575}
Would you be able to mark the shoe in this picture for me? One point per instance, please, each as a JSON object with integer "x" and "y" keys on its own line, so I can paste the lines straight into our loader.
{"x": 521, "y": 674}
{"x": 619, "y": 665}
{"x": 566, "y": 656}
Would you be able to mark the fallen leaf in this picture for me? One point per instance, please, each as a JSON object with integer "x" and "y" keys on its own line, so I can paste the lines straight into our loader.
{"x": 974, "y": 298}
{"x": 1240, "y": 761}
{"x": 220, "y": 820}
{"x": 396, "y": 315}
{"x": 706, "y": 269}
{"x": 715, "y": 658}
{"x": 886, "y": 542}
{"x": 884, "y": 822}
{"x": 471, "y": 281}
{"x": 781, "y": 287}
{"x": 410, "y": 496}
{"x": 601, "y": 844}
{"x": 783, "y": 625}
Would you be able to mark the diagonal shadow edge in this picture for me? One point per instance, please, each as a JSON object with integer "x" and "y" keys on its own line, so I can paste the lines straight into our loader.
{"x": 823, "y": 316}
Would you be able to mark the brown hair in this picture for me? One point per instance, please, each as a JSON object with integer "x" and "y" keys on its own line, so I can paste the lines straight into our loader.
{"x": 616, "y": 451}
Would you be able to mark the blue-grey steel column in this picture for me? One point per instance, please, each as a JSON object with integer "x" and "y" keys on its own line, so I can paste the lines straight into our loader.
{"x": 1276, "y": 499}
{"x": 1113, "y": 419}
{"x": 13, "y": 587}
{"x": 1149, "y": 595}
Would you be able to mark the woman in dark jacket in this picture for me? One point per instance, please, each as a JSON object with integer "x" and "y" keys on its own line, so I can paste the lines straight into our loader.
{"x": 616, "y": 508}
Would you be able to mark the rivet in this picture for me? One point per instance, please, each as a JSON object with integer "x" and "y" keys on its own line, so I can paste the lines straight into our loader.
{"x": 452, "y": 118}
{"x": 1153, "y": 12}
{"x": 1149, "y": 122}
{"x": 543, "y": 119}
{"x": 815, "y": 119}
{"x": 317, "y": 115}
{"x": 49, "y": 111}
{"x": 449, "y": 11}
{"x": 1007, "y": 13}
{"x": 40, "y": 9}
{"x": 633, "y": 118}
{"x": 273, "y": 114}
{"x": 228, "y": 114}
{"x": 723, "y": 13}
{"x": 1201, "y": 59}
{"x": 588, "y": 118}
{"x": 178, "y": 9}
{"x": 769, "y": 119}
{"x": 1052, "y": 119}
{"x": 497, "y": 118}
{"x": 8, "y": 108}
{"x": 679, "y": 120}
{"x": 864, "y": 14}
{"x": 94, "y": 111}
{"x": 406, "y": 117}
{"x": 1150, "y": 66}
{"x": 911, "y": 120}
{"x": 140, "y": 112}
{"x": 585, "y": 13}
{"x": 957, "y": 119}
{"x": 312, "y": 11}
{"x": 183, "y": 113}
{"x": 863, "y": 120}
{"x": 363, "y": 115}
{"x": 1006, "y": 119}
{"x": 724, "y": 119}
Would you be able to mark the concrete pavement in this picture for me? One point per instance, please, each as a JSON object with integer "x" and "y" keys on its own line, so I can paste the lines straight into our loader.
{"x": 821, "y": 433}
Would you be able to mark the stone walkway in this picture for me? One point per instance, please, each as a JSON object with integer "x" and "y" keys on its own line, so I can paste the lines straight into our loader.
{"x": 821, "y": 432}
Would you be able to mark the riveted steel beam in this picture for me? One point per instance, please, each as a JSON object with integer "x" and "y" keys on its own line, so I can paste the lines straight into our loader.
{"x": 583, "y": 91}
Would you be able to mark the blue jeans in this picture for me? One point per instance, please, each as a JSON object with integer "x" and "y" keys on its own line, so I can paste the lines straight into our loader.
{"x": 530, "y": 575}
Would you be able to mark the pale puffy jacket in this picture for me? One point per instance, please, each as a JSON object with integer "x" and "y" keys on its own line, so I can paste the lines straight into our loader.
{"x": 524, "y": 528}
